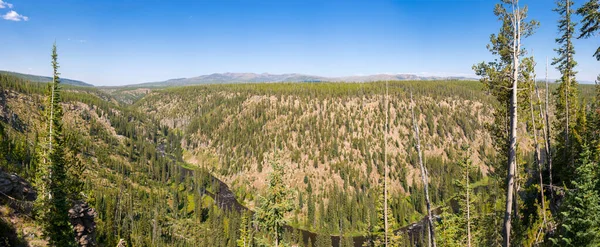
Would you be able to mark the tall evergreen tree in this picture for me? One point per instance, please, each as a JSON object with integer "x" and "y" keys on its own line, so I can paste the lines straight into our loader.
{"x": 593, "y": 133}
{"x": 580, "y": 213}
{"x": 381, "y": 237}
{"x": 245, "y": 237}
{"x": 456, "y": 228}
{"x": 590, "y": 26}
{"x": 274, "y": 205}
{"x": 52, "y": 177}
{"x": 502, "y": 78}
{"x": 567, "y": 95}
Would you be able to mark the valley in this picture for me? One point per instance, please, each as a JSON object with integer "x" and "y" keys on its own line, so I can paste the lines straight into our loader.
{"x": 327, "y": 134}
{"x": 300, "y": 123}
{"x": 199, "y": 155}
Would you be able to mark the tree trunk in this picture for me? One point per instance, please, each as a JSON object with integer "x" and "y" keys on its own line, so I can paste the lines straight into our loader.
{"x": 468, "y": 207}
{"x": 512, "y": 155}
{"x": 538, "y": 157}
{"x": 385, "y": 177}
{"x": 276, "y": 238}
{"x": 547, "y": 119}
{"x": 424, "y": 176}
{"x": 568, "y": 82}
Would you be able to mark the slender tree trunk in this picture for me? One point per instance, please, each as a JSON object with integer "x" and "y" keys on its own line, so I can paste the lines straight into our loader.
{"x": 568, "y": 78}
{"x": 276, "y": 235}
{"x": 385, "y": 177}
{"x": 512, "y": 155}
{"x": 51, "y": 122}
{"x": 538, "y": 158}
{"x": 341, "y": 231}
{"x": 424, "y": 175}
{"x": 468, "y": 207}
{"x": 548, "y": 143}
{"x": 567, "y": 144}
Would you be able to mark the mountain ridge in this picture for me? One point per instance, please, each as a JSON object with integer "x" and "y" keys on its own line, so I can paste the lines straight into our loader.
{"x": 230, "y": 77}
{"x": 43, "y": 79}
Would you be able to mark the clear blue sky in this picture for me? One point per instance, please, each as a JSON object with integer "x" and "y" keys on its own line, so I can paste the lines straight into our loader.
{"x": 116, "y": 42}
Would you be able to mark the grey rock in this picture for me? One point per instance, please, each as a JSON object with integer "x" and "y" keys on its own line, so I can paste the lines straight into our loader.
{"x": 82, "y": 218}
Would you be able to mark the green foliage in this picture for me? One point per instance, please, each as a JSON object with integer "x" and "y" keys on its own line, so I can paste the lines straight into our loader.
{"x": 451, "y": 230}
{"x": 567, "y": 103}
{"x": 53, "y": 181}
{"x": 590, "y": 25}
{"x": 131, "y": 162}
{"x": 133, "y": 155}
{"x": 580, "y": 213}
{"x": 454, "y": 227}
{"x": 313, "y": 123}
{"x": 245, "y": 238}
{"x": 45, "y": 80}
{"x": 274, "y": 205}
{"x": 376, "y": 236}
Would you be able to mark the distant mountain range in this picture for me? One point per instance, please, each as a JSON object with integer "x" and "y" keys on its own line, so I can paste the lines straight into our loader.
{"x": 227, "y": 78}
{"x": 44, "y": 79}
{"x": 230, "y": 78}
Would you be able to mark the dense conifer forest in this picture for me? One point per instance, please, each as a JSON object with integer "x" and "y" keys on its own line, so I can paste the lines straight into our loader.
{"x": 507, "y": 160}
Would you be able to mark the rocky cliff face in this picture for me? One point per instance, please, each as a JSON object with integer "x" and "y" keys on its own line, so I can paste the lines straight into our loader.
{"x": 19, "y": 194}
{"x": 82, "y": 219}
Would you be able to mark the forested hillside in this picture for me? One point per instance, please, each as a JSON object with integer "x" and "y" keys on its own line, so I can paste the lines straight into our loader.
{"x": 508, "y": 160}
{"x": 330, "y": 137}
{"x": 327, "y": 136}
{"x": 130, "y": 166}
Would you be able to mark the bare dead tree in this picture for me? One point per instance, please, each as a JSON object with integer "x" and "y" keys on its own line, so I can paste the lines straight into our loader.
{"x": 512, "y": 154}
{"x": 548, "y": 144}
{"x": 538, "y": 157}
{"x": 424, "y": 175}
{"x": 468, "y": 182}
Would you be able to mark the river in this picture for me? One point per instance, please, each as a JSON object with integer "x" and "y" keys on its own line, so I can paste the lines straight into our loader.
{"x": 225, "y": 200}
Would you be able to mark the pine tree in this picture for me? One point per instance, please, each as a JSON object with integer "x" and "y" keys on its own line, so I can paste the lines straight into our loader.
{"x": 580, "y": 213}
{"x": 274, "y": 205}
{"x": 590, "y": 25}
{"x": 380, "y": 236}
{"x": 311, "y": 212}
{"x": 567, "y": 94}
{"x": 52, "y": 178}
{"x": 245, "y": 237}
{"x": 502, "y": 78}
{"x": 456, "y": 228}
{"x": 593, "y": 133}
{"x": 386, "y": 168}
{"x": 450, "y": 231}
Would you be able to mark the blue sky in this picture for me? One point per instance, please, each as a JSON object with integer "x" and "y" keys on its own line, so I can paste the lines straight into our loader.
{"x": 117, "y": 42}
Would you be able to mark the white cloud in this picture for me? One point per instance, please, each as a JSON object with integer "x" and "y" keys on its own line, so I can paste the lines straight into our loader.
{"x": 14, "y": 16}
{"x": 77, "y": 40}
{"x": 5, "y": 5}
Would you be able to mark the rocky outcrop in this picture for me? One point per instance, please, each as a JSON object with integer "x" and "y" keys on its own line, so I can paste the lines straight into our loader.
{"x": 15, "y": 187}
{"x": 82, "y": 219}
{"x": 8, "y": 116}
{"x": 19, "y": 193}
